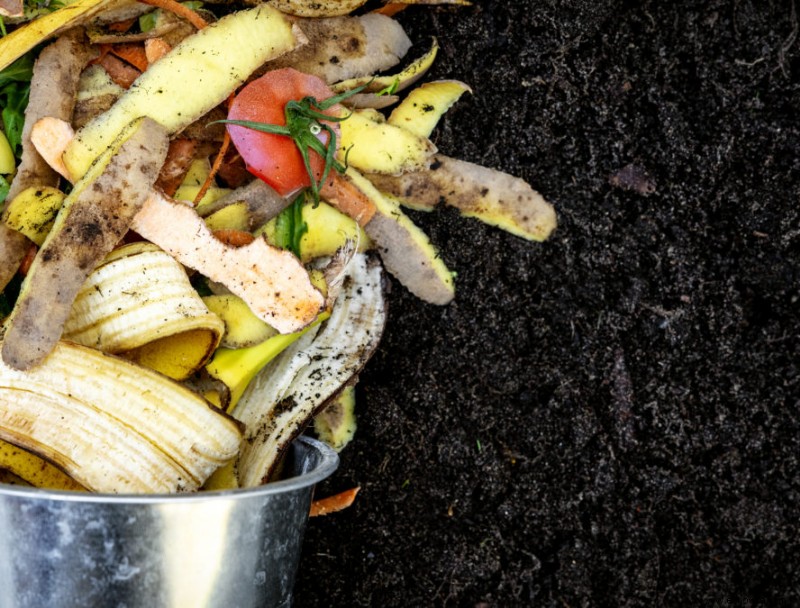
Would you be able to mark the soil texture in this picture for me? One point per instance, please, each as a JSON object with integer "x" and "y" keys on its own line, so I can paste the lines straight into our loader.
{"x": 612, "y": 417}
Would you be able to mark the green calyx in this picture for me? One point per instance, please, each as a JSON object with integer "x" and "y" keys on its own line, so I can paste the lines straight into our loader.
{"x": 305, "y": 120}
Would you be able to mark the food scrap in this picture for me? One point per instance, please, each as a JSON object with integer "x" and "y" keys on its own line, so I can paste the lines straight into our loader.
{"x": 193, "y": 238}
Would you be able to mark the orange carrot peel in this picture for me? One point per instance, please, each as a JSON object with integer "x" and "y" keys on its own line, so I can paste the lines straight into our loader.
{"x": 180, "y": 10}
{"x": 334, "y": 503}
{"x": 391, "y": 8}
{"x": 233, "y": 237}
{"x": 223, "y": 149}
{"x": 347, "y": 198}
{"x": 133, "y": 53}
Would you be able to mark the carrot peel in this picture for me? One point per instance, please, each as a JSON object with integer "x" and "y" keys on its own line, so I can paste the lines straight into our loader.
{"x": 180, "y": 10}
{"x": 233, "y": 237}
{"x": 132, "y": 53}
{"x": 348, "y": 198}
{"x": 334, "y": 503}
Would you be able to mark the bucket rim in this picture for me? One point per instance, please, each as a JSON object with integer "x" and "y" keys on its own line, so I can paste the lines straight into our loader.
{"x": 327, "y": 463}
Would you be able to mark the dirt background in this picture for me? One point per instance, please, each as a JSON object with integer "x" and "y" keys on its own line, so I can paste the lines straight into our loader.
{"x": 611, "y": 418}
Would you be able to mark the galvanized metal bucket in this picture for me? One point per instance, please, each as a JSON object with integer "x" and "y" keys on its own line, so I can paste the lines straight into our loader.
{"x": 232, "y": 549}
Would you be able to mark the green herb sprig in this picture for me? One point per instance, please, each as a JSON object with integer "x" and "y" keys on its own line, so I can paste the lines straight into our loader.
{"x": 15, "y": 88}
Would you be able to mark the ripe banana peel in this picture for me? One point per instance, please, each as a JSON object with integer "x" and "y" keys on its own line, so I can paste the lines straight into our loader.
{"x": 140, "y": 304}
{"x": 336, "y": 424}
{"x": 237, "y": 367}
{"x": 394, "y": 83}
{"x": 112, "y": 425}
{"x": 242, "y": 327}
{"x": 284, "y": 396}
{"x": 35, "y": 470}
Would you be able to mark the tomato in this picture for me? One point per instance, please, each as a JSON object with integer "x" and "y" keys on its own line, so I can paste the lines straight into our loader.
{"x": 275, "y": 158}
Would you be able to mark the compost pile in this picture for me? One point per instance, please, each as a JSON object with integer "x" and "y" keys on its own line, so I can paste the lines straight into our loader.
{"x": 610, "y": 417}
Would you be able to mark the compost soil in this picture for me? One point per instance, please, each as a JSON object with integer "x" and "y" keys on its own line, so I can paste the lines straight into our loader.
{"x": 611, "y": 417}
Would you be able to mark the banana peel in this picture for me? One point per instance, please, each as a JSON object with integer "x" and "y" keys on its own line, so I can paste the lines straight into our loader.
{"x": 138, "y": 303}
{"x": 425, "y": 105}
{"x": 336, "y": 424}
{"x": 242, "y": 328}
{"x": 22, "y": 40}
{"x": 285, "y": 395}
{"x": 379, "y": 147}
{"x": 33, "y": 211}
{"x": 34, "y": 470}
{"x": 392, "y": 83}
{"x": 237, "y": 367}
{"x": 114, "y": 426}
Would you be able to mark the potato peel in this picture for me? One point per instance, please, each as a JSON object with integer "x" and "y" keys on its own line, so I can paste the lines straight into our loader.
{"x": 92, "y": 220}
{"x": 53, "y": 87}
{"x": 489, "y": 195}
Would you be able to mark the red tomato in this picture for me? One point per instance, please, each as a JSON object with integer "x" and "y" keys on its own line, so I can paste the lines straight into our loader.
{"x": 275, "y": 158}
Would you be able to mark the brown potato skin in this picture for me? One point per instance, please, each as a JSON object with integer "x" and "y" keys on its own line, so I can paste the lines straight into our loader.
{"x": 96, "y": 219}
{"x": 340, "y": 48}
{"x": 405, "y": 260}
{"x": 492, "y": 196}
{"x": 53, "y": 88}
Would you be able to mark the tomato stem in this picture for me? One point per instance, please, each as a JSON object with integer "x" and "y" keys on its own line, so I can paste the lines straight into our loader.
{"x": 305, "y": 120}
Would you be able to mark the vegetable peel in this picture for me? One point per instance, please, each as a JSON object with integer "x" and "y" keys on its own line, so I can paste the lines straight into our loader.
{"x": 273, "y": 282}
{"x": 92, "y": 220}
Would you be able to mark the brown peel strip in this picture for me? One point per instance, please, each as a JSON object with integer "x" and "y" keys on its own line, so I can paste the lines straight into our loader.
{"x": 53, "y": 88}
{"x": 273, "y": 282}
{"x": 489, "y": 195}
{"x": 93, "y": 219}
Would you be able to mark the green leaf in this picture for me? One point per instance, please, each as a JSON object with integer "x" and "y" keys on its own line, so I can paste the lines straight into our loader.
{"x": 36, "y": 8}
{"x": 283, "y": 228}
{"x": 14, "y": 91}
{"x": 256, "y": 126}
{"x": 19, "y": 71}
{"x": 290, "y": 227}
{"x": 147, "y": 21}
{"x": 300, "y": 226}
{"x": 390, "y": 90}
{"x": 4, "y": 187}
{"x": 326, "y": 104}
{"x": 14, "y": 99}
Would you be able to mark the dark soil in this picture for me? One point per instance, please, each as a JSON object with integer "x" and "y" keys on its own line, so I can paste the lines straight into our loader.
{"x": 610, "y": 418}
